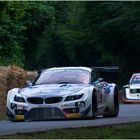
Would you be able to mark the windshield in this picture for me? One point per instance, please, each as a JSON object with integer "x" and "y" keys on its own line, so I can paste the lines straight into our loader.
{"x": 135, "y": 80}
{"x": 62, "y": 76}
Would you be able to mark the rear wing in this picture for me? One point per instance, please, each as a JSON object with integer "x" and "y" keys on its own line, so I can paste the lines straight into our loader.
{"x": 110, "y": 74}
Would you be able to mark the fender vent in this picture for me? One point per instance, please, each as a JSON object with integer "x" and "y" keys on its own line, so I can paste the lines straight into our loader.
{"x": 44, "y": 113}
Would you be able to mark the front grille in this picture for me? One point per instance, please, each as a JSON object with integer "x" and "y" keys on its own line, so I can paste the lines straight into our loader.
{"x": 53, "y": 100}
{"x": 35, "y": 100}
{"x": 44, "y": 113}
{"x": 134, "y": 91}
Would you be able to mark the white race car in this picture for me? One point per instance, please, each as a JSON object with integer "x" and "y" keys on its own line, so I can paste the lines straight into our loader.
{"x": 131, "y": 92}
{"x": 64, "y": 92}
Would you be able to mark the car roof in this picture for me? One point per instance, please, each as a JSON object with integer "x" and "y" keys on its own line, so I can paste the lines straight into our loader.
{"x": 60, "y": 68}
{"x": 133, "y": 75}
{"x": 136, "y": 74}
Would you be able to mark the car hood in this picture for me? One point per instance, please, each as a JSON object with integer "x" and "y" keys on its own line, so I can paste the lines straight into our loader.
{"x": 51, "y": 90}
{"x": 134, "y": 86}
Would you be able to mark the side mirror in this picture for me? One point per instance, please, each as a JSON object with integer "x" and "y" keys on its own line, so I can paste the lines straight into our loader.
{"x": 29, "y": 83}
{"x": 100, "y": 79}
{"x": 125, "y": 86}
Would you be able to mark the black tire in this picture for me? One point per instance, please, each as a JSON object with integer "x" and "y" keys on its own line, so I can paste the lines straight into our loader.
{"x": 124, "y": 95}
{"x": 9, "y": 115}
{"x": 12, "y": 119}
{"x": 94, "y": 105}
{"x": 116, "y": 105}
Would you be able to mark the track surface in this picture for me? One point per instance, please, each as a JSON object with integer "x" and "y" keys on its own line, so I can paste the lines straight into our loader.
{"x": 128, "y": 113}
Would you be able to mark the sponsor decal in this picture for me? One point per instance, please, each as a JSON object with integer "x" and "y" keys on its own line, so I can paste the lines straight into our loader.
{"x": 19, "y": 117}
{"x": 73, "y": 115}
{"x": 68, "y": 105}
{"x": 108, "y": 89}
{"x": 102, "y": 85}
{"x": 60, "y": 70}
{"x": 64, "y": 87}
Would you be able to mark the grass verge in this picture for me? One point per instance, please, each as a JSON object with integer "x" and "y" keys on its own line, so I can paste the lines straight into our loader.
{"x": 2, "y": 117}
{"x": 122, "y": 131}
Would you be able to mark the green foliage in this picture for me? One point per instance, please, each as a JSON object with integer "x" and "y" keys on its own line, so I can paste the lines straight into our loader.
{"x": 119, "y": 35}
{"x": 40, "y": 34}
{"x": 20, "y": 26}
{"x": 11, "y": 34}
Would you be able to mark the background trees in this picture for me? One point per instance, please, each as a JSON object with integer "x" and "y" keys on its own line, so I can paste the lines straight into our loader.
{"x": 37, "y": 35}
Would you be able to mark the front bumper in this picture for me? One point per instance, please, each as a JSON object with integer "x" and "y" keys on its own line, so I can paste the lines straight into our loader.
{"x": 44, "y": 114}
{"x": 131, "y": 101}
{"x": 130, "y": 97}
{"x": 64, "y": 109}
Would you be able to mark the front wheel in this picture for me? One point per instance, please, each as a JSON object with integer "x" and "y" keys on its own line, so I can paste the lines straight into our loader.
{"x": 116, "y": 105}
{"x": 94, "y": 105}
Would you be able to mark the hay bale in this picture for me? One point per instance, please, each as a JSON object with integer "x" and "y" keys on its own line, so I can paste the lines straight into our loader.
{"x": 16, "y": 77}
{"x": 10, "y": 77}
{"x": 31, "y": 75}
{"x": 3, "y": 82}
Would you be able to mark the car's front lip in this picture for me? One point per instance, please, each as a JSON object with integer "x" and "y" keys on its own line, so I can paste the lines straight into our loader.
{"x": 46, "y": 113}
{"x": 61, "y": 108}
{"x": 131, "y": 100}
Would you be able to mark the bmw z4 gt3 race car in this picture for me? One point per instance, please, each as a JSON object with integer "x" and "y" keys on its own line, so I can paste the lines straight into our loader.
{"x": 64, "y": 92}
{"x": 131, "y": 92}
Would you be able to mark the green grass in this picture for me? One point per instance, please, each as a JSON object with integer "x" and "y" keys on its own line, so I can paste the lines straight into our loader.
{"x": 123, "y": 131}
{"x": 2, "y": 117}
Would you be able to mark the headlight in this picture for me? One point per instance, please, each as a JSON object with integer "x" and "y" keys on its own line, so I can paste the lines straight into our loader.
{"x": 19, "y": 99}
{"x": 73, "y": 97}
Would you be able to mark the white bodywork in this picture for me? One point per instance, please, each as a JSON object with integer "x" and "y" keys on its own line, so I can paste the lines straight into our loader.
{"x": 131, "y": 92}
{"x": 48, "y": 101}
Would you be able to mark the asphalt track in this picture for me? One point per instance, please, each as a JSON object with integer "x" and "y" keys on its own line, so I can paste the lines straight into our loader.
{"x": 128, "y": 113}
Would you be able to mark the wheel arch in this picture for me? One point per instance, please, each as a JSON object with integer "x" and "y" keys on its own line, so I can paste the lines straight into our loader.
{"x": 113, "y": 107}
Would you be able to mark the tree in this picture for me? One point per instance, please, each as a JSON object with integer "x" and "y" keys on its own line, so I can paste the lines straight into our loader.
{"x": 11, "y": 30}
